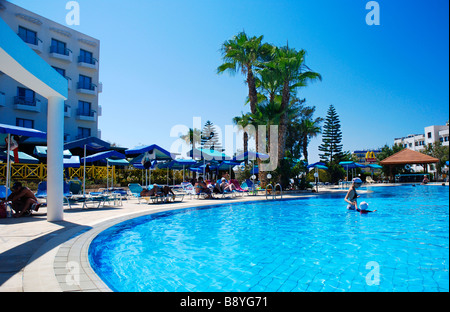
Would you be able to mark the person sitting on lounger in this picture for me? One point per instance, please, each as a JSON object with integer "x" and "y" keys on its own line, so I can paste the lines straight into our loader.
{"x": 23, "y": 201}
{"x": 225, "y": 186}
{"x": 157, "y": 191}
{"x": 200, "y": 187}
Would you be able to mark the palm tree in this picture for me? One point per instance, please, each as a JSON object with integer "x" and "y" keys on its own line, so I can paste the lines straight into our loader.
{"x": 291, "y": 73}
{"x": 309, "y": 129}
{"x": 192, "y": 137}
{"x": 244, "y": 54}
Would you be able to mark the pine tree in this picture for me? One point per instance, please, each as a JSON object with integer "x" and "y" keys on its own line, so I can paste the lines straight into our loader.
{"x": 210, "y": 137}
{"x": 331, "y": 138}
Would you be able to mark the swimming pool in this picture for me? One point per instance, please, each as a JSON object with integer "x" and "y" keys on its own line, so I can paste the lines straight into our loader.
{"x": 312, "y": 244}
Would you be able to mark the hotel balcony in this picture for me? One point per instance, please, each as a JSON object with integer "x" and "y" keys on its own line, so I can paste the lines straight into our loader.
{"x": 2, "y": 99}
{"x": 87, "y": 88}
{"x": 33, "y": 42}
{"x": 67, "y": 111}
{"x": 86, "y": 115}
{"x": 69, "y": 83}
{"x": 88, "y": 62}
{"x": 27, "y": 104}
{"x": 61, "y": 54}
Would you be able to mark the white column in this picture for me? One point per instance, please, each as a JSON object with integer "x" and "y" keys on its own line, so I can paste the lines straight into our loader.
{"x": 55, "y": 164}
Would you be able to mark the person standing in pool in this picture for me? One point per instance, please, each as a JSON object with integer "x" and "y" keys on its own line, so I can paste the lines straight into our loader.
{"x": 352, "y": 195}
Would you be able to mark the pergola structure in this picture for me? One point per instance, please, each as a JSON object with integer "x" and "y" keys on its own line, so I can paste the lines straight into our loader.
{"x": 408, "y": 157}
{"x": 21, "y": 63}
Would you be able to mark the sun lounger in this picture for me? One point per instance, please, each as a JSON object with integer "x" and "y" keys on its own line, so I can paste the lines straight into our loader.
{"x": 252, "y": 187}
{"x": 226, "y": 192}
{"x": 41, "y": 193}
{"x": 238, "y": 187}
{"x": 135, "y": 190}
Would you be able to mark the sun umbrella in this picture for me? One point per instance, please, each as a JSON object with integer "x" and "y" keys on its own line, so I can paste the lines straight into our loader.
{"x": 207, "y": 155}
{"x": 20, "y": 131}
{"x": 23, "y": 157}
{"x": 152, "y": 153}
{"x": 87, "y": 144}
{"x": 317, "y": 166}
{"x": 103, "y": 156}
{"x": 252, "y": 156}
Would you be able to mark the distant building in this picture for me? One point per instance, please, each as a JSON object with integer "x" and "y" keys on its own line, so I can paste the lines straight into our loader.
{"x": 418, "y": 142}
{"x": 432, "y": 134}
{"x": 74, "y": 55}
{"x": 361, "y": 156}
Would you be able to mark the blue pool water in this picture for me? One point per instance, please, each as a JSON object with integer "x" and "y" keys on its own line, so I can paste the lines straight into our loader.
{"x": 311, "y": 244}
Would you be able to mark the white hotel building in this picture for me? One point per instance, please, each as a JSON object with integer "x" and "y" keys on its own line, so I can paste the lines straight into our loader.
{"x": 432, "y": 134}
{"x": 74, "y": 55}
{"x": 417, "y": 142}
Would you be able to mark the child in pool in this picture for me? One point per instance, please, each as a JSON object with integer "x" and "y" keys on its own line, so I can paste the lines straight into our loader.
{"x": 363, "y": 208}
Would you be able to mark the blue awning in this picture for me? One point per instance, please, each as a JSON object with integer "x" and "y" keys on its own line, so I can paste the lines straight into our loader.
{"x": 23, "y": 158}
{"x": 103, "y": 155}
{"x": 158, "y": 152}
{"x": 207, "y": 154}
{"x": 72, "y": 162}
{"x": 41, "y": 151}
{"x": 92, "y": 144}
{"x": 22, "y": 131}
{"x": 179, "y": 164}
{"x": 251, "y": 156}
{"x": 319, "y": 165}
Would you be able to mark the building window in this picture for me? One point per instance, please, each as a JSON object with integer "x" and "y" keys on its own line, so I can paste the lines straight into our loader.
{"x": 83, "y": 133}
{"x": 25, "y": 97}
{"x": 84, "y": 108}
{"x": 85, "y": 82}
{"x": 86, "y": 57}
{"x": 59, "y": 47}
{"x": 429, "y": 135}
{"x": 28, "y": 36}
{"x": 60, "y": 70}
{"x": 25, "y": 123}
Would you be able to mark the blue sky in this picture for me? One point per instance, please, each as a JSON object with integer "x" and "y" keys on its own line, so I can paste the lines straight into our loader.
{"x": 158, "y": 63}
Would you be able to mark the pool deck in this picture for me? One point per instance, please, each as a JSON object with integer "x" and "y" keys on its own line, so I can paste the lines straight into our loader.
{"x": 41, "y": 256}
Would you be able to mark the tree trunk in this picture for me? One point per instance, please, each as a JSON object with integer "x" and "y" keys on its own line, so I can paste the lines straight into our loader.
{"x": 305, "y": 148}
{"x": 252, "y": 93}
{"x": 246, "y": 145}
{"x": 282, "y": 128}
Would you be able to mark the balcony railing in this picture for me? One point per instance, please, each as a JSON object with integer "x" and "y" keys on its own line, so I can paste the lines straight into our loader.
{"x": 55, "y": 49}
{"x": 86, "y": 113}
{"x": 31, "y": 40}
{"x": 22, "y": 100}
{"x": 86, "y": 86}
{"x": 87, "y": 60}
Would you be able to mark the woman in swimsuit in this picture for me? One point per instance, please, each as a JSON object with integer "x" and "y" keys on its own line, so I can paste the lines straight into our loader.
{"x": 352, "y": 195}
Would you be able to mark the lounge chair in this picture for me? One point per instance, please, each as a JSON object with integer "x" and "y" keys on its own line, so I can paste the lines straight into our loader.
{"x": 239, "y": 189}
{"x": 135, "y": 190}
{"x": 226, "y": 192}
{"x": 2, "y": 192}
{"x": 189, "y": 189}
{"x": 252, "y": 187}
{"x": 42, "y": 193}
{"x": 370, "y": 180}
{"x": 75, "y": 187}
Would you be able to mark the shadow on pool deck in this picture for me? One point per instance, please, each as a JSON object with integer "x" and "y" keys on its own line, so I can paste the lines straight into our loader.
{"x": 15, "y": 259}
